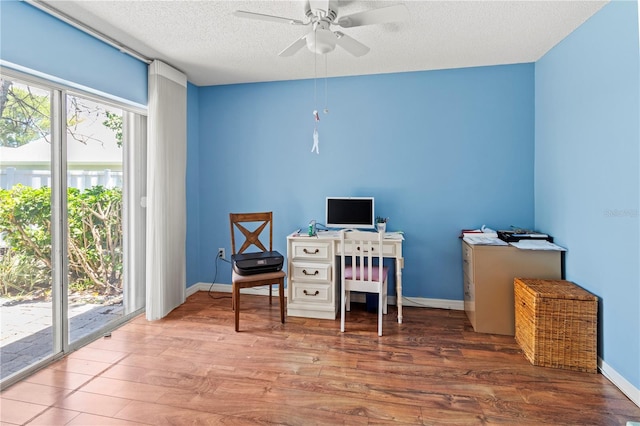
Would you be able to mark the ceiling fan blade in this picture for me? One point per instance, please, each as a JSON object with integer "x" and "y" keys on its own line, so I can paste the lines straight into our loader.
{"x": 398, "y": 12}
{"x": 294, "y": 47}
{"x": 351, "y": 45}
{"x": 271, "y": 18}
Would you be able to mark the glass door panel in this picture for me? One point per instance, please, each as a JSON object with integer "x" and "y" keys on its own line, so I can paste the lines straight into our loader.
{"x": 72, "y": 227}
{"x": 26, "y": 265}
{"x": 94, "y": 141}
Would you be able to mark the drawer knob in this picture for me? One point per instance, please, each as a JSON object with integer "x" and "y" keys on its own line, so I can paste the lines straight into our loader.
{"x": 315, "y": 293}
{"x": 316, "y": 251}
{"x": 304, "y": 271}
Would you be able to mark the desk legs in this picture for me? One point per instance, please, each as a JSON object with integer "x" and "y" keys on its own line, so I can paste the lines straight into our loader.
{"x": 399, "y": 265}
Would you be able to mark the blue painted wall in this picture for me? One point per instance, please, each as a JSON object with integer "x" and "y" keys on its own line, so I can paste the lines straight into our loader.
{"x": 33, "y": 40}
{"x": 439, "y": 150}
{"x": 587, "y": 168}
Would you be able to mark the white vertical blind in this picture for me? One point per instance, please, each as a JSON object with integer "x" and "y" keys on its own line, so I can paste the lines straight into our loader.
{"x": 166, "y": 190}
{"x": 134, "y": 223}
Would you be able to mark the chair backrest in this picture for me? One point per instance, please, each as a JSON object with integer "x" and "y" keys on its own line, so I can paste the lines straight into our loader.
{"x": 362, "y": 248}
{"x": 240, "y": 222}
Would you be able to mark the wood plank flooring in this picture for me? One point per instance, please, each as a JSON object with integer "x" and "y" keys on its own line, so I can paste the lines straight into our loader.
{"x": 192, "y": 368}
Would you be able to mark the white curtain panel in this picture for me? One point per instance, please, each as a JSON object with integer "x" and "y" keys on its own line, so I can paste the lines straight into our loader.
{"x": 166, "y": 190}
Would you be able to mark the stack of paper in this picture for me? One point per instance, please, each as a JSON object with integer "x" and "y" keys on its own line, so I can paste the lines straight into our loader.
{"x": 483, "y": 239}
{"x": 537, "y": 245}
{"x": 487, "y": 232}
{"x": 483, "y": 236}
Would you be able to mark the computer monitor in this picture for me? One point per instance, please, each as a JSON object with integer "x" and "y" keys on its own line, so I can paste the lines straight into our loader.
{"x": 350, "y": 212}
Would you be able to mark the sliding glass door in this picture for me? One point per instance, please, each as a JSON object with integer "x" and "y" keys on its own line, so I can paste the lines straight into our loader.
{"x": 71, "y": 248}
{"x": 26, "y": 263}
{"x": 94, "y": 166}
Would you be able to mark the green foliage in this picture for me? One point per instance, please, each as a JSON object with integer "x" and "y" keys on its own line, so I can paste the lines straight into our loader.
{"x": 22, "y": 275}
{"x": 114, "y": 122}
{"x": 94, "y": 238}
{"x": 25, "y": 115}
{"x": 81, "y": 285}
{"x": 25, "y": 218}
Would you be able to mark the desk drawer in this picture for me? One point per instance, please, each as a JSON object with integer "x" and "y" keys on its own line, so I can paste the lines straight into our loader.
{"x": 306, "y": 292}
{"x": 307, "y": 250}
{"x": 388, "y": 250}
{"x": 310, "y": 271}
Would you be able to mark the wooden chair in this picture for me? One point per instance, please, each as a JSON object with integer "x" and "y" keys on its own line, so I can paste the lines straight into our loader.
{"x": 239, "y": 222}
{"x": 362, "y": 248}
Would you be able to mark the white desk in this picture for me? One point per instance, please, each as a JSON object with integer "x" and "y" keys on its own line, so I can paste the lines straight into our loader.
{"x": 313, "y": 286}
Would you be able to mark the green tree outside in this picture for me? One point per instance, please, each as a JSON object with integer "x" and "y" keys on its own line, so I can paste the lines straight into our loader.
{"x": 94, "y": 240}
{"x": 94, "y": 214}
{"x": 24, "y": 115}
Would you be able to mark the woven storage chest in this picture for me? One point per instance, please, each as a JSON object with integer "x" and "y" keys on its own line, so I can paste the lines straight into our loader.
{"x": 556, "y": 324}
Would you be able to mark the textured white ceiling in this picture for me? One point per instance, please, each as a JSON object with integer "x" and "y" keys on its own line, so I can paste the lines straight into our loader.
{"x": 212, "y": 46}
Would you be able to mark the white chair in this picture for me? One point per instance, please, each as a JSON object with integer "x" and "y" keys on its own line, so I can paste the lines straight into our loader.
{"x": 362, "y": 273}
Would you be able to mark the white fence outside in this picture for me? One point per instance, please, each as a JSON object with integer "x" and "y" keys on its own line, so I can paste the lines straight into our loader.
{"x": 81, "y": 179}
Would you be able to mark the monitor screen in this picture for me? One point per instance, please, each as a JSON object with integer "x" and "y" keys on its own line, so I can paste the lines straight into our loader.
{"x": 350, "y": 212}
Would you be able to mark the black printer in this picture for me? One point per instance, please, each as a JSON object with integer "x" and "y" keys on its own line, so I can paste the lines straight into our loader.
{"x": 257, "y": 263}
{"x": 522, "y": 234}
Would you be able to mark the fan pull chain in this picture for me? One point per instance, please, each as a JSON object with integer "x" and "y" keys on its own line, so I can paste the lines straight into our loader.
{"x": 315, "y": 76}
{"x": 326, "y": 87}
{"x": 316, "y": 117}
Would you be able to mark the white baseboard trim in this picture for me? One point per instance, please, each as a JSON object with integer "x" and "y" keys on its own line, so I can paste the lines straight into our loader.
{"x": 226, "y": 288}
{"x": 454, "y": 305}
{"x": 620, "y": 382}
{"x": 420, "y": 302}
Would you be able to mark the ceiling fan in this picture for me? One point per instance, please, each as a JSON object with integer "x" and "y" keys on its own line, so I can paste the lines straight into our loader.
{"x": 321, "y": 15}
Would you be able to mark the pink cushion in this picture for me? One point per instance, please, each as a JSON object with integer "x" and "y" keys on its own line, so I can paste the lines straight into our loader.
{"x": 348, "y": 272}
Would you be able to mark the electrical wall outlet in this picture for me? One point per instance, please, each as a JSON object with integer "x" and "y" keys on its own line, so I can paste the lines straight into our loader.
{"x": 221, "y": 252}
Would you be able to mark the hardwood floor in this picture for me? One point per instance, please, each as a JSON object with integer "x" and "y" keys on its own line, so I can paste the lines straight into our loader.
{"x": 192, "y": 368}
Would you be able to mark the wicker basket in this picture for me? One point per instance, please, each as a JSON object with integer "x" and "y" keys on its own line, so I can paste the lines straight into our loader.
{"x": 556, "y": 324}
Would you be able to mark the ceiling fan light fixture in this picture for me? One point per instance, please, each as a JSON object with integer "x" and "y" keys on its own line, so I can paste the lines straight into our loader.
{"x": 321, "y": 41}
{"x": 322, "y": 14}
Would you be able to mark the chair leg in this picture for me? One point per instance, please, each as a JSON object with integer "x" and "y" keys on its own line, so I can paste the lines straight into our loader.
{"x": 281, "y": 294}
{"x": 348, "y": 302}
{"x": 270, "y": 291}
{"x": 233, "y": 297}
{"x": 236, "y": 302}
{"x": 380, "y": 309}
{"x": 384, "y": 298}
{"x": 342, "y": 309}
